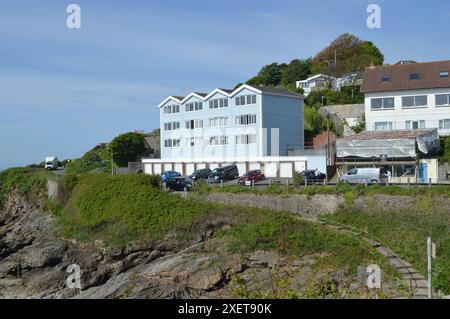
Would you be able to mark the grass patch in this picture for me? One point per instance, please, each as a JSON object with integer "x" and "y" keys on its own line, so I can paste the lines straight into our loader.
{"x": 27, "y": 181}
{"x": 339, "y": 189}
{"x": 122, "y": 208}
{"x": 406, "y": 232}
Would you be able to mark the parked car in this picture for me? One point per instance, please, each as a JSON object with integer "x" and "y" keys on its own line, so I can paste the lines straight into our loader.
{"x": 166, "y": 175}
{"x": 181, "y": 183}
{"x": 313, "y": 176}
{"x": 228, "y": 172}
{"x": 369, "y": 175}
{"x": 253, "y": 175}
{"x": 200, "y": 174}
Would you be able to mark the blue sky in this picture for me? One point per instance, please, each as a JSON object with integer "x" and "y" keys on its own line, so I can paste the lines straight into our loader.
{"x": 63, "y": 91}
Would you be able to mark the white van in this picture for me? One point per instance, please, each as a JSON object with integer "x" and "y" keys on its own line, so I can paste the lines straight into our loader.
{"x": 51, "y": 163}
{"x": 365, "y": 175}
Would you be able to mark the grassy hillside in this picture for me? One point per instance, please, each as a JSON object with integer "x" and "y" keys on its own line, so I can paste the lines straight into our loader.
{"x": 98, "y": 158}
{"x": 27, "y": 181}
{"x": 406, "y": 233}
{"x": 120, "y": 209}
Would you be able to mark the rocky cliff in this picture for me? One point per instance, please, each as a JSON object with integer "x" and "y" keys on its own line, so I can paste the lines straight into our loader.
{"x": 34, "y": 263}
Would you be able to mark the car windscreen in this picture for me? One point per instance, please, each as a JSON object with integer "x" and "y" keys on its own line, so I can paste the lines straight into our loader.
{"x": 217, "y": 171}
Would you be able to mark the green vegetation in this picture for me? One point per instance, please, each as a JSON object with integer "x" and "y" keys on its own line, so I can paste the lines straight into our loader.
{"x": 340, "y": 188}
{"x": 127, "y": 148}
{"x": 98, "y": 158}
{"x": 27, "y": 181}
{"x": 347, "y": 95}
{"x": 120, "y": 209}
{"x": 406, "y": 233}
{"x": 350, "y": 53}
{"x": 445, "y": 150}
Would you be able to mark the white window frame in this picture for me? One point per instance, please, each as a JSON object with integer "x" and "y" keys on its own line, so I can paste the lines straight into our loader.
{"x": 442, "y": 124}
{"x": 389, "y": 124}
{"x": 442, "y": 105}
{"x": 382, "y": 108}
{"x": 414, "y": 97}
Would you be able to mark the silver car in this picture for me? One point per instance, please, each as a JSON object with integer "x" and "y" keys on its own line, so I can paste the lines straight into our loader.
{"x": 369, "y": 175}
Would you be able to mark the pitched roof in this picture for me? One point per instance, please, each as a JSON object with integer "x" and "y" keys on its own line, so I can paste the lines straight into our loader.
{"x": 388, "y": 135}
{"x": 275, "y": 91}
{"x": 429, "y": 77}
{"x": 231, "y": 93}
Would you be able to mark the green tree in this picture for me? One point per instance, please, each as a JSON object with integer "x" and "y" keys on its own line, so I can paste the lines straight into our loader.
{"x": 295, "y": 71}
{"x": 313, "y": 120}
{"x": 346, "y": 54}
{"x": 269, "y": 75}
{"x": 127, "y": 147}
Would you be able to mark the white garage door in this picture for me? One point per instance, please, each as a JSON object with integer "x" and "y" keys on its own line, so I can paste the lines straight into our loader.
{"x": 253, "y": 166}
{"x": 157, "y": 169}
{"x": 286, "y": 170}
{"x": 300, "y": 166}
{"x": 179, "y": 168}
{"x": 201, "y": 165}
{"x": 190, "y": 169}
{"x": 167, "y": 167}
{"x": 270, "y": 169}
{"x": 148, "y": 169}
{"x": 241, "y": 168}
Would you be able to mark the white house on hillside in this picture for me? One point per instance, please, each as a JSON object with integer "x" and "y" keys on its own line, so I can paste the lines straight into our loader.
{"x": 408, "y": 96}
{"x": 315, "y": 82}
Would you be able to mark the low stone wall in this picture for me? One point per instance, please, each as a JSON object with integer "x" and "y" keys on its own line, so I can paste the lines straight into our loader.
{"x": 303, "y": 205}
{"x": 320, "y": 204}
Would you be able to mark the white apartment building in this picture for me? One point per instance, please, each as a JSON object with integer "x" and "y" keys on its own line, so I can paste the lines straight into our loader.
{"x": 253, "y": 127}
{"x": 408, "y": 96}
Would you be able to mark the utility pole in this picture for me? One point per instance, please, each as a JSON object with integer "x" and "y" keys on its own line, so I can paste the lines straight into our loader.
{"x": 112, "y": 162}
{"x": 328, "y": 141}
{"x": 430, "y": 270}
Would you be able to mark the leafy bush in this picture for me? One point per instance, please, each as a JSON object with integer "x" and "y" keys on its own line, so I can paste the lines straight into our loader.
{"x": 127, "y": 147}
{"x": 299, "y": 179}
{"x": 124, "y": 207}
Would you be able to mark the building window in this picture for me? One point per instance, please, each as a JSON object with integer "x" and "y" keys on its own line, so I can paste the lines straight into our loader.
{"x": 218, "y": 121}
{"x": 442, "y": 99}
{"x": 414, "y": 101}
{"x": 170, "y": 126}
{"x": 246, "y": 99}
{"x": 382, "y": 103}
{"x": 444, "y": 124}
{"x": 386, "y": 78}
{"x": 443, "y": 74}
{"x": 194, "y": 142}
{"x": 246, "y": 119}
{"x": 193, "y": 124}
{"x": 415, "y": 125}
{"x": 218, "y": 140}
{"x": 414, "y": 76}
{"x": 172, "y": 143}
{"x": 169, "y": 109}
{"x": 246, "y": 139}
{"x": 382, "y": 126}
{"x": 194, "y": 106}
{"x": 218, "y": 103}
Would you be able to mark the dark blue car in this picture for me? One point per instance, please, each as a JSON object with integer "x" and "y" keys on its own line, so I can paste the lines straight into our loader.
{"x": 165, "y": 176}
